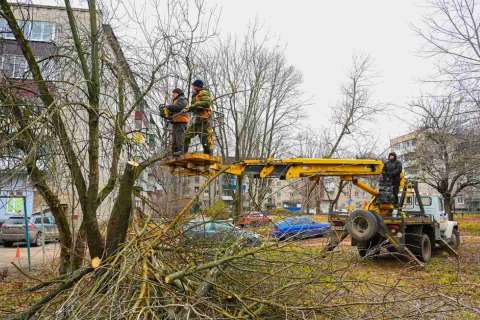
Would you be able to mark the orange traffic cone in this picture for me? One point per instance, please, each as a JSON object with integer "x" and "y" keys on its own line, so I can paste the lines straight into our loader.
{"x": 17, "y": 254}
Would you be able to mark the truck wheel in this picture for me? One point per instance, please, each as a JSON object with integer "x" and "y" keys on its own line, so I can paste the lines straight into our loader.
{"x": 455, "y": 239}
{"x": 362, "y": 225}
{"x": 7, "y": 244}
{"x": 421, "y": 246}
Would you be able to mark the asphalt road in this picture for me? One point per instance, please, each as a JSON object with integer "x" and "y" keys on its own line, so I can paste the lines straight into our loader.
{"x": 7, "y": 255}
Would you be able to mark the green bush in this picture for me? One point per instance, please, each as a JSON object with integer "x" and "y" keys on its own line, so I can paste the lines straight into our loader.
{"x": 218, "y": 211}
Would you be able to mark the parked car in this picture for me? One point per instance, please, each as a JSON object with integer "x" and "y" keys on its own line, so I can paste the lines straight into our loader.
{"x": 300, "y": 227}
{"x": 13, "y": 230}
{"x": 218, "y": 230}
{"x": 254, "y": 219}
{"x": 46, "y": 224}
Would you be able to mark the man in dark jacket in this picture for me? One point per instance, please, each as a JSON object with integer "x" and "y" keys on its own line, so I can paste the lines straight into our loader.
{"x": 392, "y": 170}
{"x": 177, "y": 114}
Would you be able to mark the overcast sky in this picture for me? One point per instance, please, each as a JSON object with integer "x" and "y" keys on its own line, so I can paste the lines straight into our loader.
{"x": 322, "y": 36}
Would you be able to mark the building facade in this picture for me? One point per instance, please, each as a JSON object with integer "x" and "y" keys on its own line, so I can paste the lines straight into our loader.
{"x": 47, "y": 30}
{"x": 405, "y": 147}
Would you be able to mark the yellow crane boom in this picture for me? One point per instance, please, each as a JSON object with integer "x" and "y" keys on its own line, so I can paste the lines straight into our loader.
{"x": 347, "y": 169}
{"x": 306, "y": 167}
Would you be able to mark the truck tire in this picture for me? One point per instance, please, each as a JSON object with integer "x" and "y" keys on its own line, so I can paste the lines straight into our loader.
{"x": 420, "y": 245}
{"x": 7, "y": 244}
{"x": 362, "y": 225}
{"x": 455, "y": 240}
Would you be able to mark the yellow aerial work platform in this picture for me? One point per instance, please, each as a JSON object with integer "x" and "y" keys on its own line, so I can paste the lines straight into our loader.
{"x": 192, "y": 164}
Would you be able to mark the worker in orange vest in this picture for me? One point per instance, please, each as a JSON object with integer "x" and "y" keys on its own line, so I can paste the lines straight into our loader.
{"x": 179, "y": 117}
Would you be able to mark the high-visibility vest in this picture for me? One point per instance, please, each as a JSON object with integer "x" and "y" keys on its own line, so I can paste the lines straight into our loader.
{"x": 181, "y": 117}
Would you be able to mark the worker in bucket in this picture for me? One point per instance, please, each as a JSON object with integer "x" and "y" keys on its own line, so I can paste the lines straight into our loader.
{"x": 179, "y": 117}
{"x": 201, "y": 109}
{"x": 392, "y": 169}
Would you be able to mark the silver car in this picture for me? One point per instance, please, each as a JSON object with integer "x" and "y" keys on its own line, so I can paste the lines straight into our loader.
{"x": 42, "y": 228}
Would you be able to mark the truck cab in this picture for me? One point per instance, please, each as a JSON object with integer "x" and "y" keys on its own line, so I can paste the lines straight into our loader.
{"x": 433, "y": 207}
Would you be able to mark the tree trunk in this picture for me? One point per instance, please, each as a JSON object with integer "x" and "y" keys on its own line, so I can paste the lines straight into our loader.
{"x": 96, "y": 245}
{"x": 337, "y": 196}
{"x": 79, "y": 249}
{"x": 121, "y": 211}
{"x": 59, "y": 212}
{"x": 447, "y": 203}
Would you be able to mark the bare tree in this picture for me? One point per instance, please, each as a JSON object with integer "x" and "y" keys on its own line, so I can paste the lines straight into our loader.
{"x": 451, "y": 31}
{"x": 257, "y": 94}
{"x": 355, "y": 108}
{"x": 447, "y": 149}
{"x": 356, "y": 105}
{"x": 87, "y": 118}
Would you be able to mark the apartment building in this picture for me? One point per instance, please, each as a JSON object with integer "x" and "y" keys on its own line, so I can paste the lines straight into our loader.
{"x": 405, "y": 146}
{"x": 47, "y": 29}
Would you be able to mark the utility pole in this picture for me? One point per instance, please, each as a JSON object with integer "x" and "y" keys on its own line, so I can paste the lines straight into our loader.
{"x": 27, "y": 232}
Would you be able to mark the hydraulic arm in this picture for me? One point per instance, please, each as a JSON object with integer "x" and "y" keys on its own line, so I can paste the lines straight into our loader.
{"x": 306, "y": 167}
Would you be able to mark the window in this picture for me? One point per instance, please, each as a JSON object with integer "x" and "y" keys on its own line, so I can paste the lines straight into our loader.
{"x": 195, "y": 227}
{"x": 14, "y": 206}
{"x": 426, "y": 201}
{"x": 13, "y": 66}
{"x": 15, "y": 220}
{"x": 33, "y": 30}
{"x": 5, "y": 30}
{"x": 223, "y": 226}
{"x": 459, "y": 199}
{"x": 409, "y": 201}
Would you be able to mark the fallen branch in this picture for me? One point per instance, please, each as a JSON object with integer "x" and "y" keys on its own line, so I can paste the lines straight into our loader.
{"x": 25, "y": 273}
{"x": 209, "y": 265}
{"x": 76, "y": 276}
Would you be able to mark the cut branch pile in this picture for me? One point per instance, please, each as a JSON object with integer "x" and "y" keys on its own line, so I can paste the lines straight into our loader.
{"x": 160, "y": 274}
